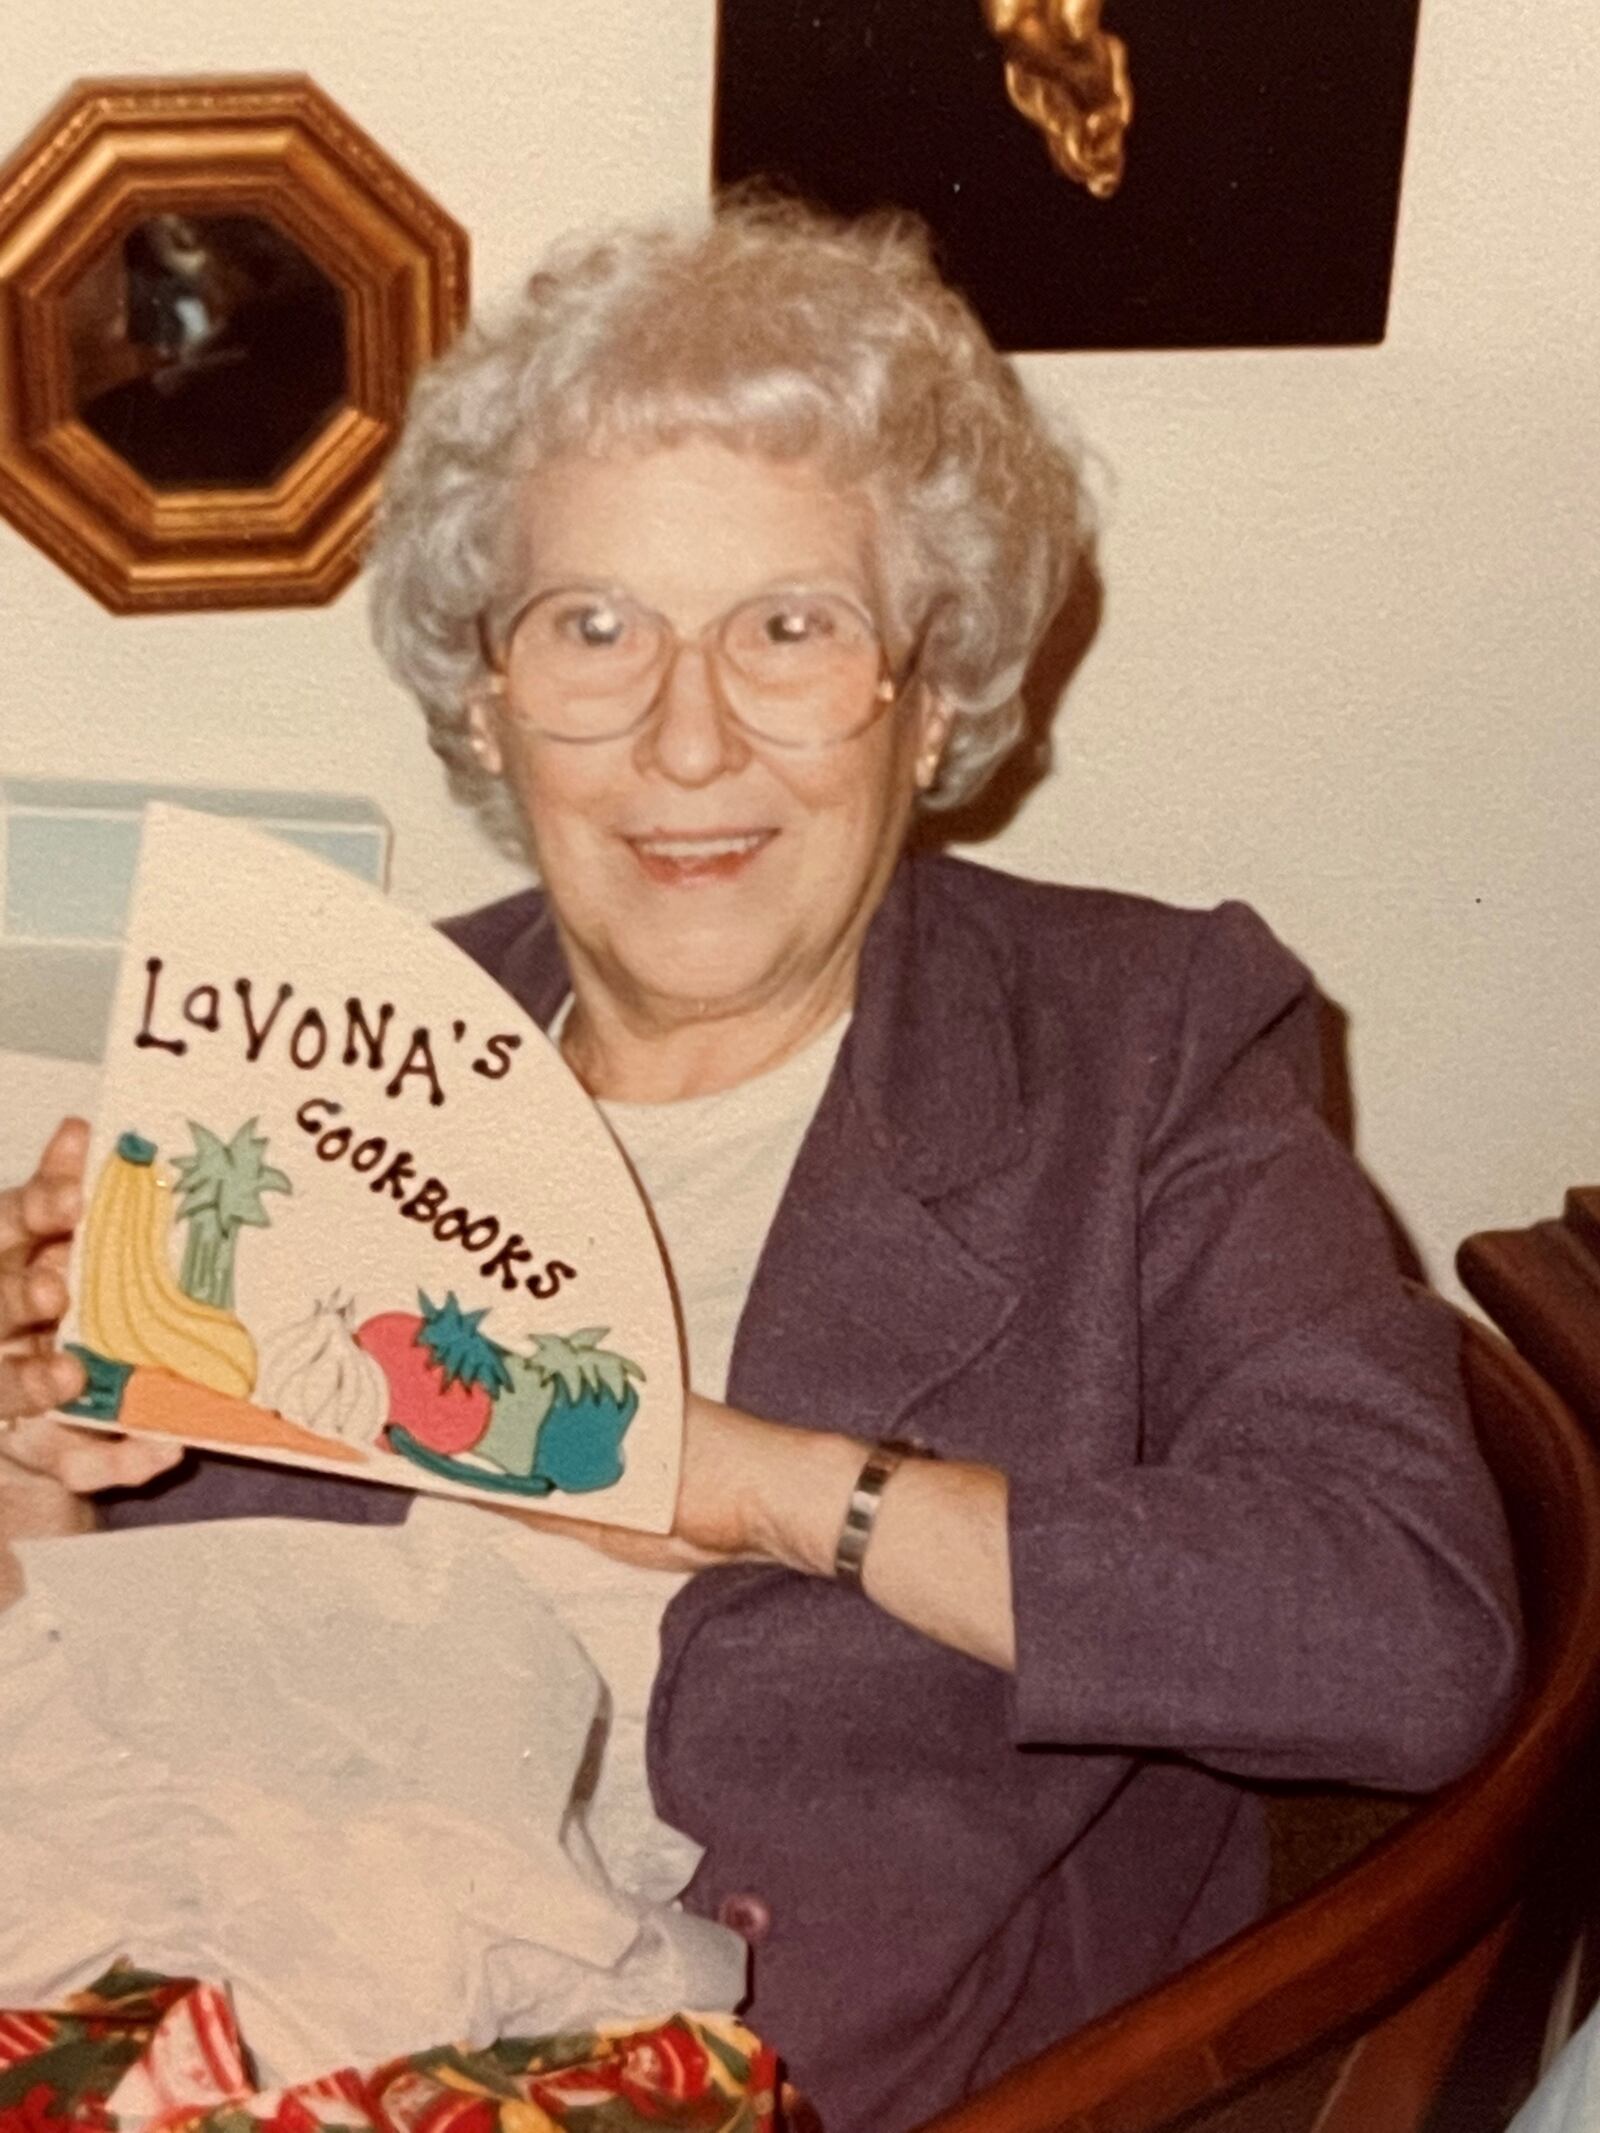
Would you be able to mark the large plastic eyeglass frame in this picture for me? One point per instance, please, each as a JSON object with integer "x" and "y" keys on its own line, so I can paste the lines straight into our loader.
{"x": 889, "y": 689}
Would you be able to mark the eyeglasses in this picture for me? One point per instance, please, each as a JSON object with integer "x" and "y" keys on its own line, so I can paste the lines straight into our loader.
{"x": 795, "y": 668}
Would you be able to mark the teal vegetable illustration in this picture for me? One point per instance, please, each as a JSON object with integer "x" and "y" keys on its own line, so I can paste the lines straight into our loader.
{"x": 220, "y": 1188}
{"x": 558, "y": 1424}
{"x": 443, "y": 1374}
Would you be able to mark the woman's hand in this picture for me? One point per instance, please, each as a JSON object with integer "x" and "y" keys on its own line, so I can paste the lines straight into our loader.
{"x": 750, "y": 1491}
{"x": 46, "y": 1466}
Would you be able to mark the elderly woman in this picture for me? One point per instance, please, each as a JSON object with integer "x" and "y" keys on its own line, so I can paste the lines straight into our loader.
{"x": 1063, "y": 1448}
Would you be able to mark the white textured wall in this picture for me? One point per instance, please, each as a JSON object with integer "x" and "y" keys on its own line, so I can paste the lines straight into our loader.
{"x": 1349, "y": 658}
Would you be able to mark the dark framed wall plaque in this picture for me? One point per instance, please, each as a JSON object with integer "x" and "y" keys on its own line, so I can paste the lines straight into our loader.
{"x": 214, "y": 295}
{"x": 1259, "y": 174}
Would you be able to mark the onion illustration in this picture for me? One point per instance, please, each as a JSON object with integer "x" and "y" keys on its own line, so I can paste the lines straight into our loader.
{"x": 313, "y": 1373}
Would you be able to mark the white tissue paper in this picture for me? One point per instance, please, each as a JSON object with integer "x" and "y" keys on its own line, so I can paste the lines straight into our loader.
{"x": 352, "y": 1773}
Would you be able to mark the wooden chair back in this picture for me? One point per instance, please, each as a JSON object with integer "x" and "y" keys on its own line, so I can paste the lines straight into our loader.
{"x": 1339, "y": 2013}
{"x": 1541, "y": 1286}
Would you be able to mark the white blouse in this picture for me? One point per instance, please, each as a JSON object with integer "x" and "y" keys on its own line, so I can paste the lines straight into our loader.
{"x": 713, "y": 1169}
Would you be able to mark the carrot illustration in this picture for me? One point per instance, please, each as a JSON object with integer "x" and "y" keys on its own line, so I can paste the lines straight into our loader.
{"x": 154, "y": 1400}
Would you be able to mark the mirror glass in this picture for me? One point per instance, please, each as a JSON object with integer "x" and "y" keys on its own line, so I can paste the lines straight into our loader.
{"x": 207, "y": 350}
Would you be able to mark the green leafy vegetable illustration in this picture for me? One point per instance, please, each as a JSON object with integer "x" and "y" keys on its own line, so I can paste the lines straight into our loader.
{"x": 220, "y": 1191}
{"x": 578, "y": 1363}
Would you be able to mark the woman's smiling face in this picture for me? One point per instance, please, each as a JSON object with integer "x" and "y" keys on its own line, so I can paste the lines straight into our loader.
{"x": 696, "y": 871}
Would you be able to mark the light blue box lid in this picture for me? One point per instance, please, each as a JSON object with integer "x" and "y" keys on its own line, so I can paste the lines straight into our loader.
{"x": 69, "y": 849}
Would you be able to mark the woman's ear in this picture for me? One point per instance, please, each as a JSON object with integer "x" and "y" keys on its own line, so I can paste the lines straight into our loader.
{"x": 933, "y": 730}
{"x": 483, "y": 736}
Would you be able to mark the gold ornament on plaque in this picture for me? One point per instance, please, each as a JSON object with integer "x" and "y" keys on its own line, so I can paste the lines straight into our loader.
{"x": 1068, "y": 77}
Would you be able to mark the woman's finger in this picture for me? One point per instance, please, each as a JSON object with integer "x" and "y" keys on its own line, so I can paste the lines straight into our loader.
{"x": 83, "y": 1461}
{"x": 36, "y": 1222}
{"x": 30, "y": 1297}
{"x": 50, "y": 1203}
{"x": 28, "y": 1446}
{"x": 93, "y": 1464}
{"x": 15, "y": 1237}
{"x": 36, "y": 1385}
{"x": 66, "y": 1152}
{"x": 51, "y": 1207}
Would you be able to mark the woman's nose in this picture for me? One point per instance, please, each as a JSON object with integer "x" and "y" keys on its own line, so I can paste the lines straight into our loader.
{"x": 691, "y": 736}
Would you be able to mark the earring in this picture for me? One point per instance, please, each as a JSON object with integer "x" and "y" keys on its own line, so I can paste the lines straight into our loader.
{"x": 485, "y": 749}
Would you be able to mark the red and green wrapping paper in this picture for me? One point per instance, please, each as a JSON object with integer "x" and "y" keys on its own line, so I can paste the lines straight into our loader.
{"x": 137, "y": 2053}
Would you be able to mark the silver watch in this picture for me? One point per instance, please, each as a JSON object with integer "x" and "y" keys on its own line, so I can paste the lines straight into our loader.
{"x": 862, "y": 1513}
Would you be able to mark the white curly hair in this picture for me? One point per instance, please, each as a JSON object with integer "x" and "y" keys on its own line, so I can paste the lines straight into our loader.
{"x": 775, "y": 329}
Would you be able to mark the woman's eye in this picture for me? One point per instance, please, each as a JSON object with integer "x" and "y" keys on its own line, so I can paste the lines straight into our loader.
{"x": 598, "y": 628}
{"x": 795, "y": 625}
{"x": 585, "y": 625}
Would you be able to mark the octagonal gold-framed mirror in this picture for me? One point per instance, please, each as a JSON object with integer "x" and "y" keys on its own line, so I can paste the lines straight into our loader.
{"x": 214, "y": 295}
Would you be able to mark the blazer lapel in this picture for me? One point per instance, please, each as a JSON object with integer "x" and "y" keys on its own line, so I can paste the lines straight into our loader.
{"x": 864, "y": 1300}
{"x": 534, "y": 971}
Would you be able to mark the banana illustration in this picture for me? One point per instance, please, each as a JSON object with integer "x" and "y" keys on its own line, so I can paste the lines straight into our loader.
{"x": 129, "y": 1305}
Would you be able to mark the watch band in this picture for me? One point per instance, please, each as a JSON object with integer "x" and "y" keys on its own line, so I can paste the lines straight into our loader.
{"x": 861, "y": 1514}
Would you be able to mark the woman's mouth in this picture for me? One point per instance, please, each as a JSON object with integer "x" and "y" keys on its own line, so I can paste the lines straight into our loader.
{"x": 676, "y": 859}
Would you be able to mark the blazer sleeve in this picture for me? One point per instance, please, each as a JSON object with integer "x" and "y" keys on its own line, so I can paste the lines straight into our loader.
{"x": 1307, "y": 1573}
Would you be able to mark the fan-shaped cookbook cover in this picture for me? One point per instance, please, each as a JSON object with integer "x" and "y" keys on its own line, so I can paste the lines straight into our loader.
{"x": 349, "y": 1210}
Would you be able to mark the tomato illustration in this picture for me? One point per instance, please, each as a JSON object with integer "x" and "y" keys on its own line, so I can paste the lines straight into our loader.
{"x": 443, "y": 1373}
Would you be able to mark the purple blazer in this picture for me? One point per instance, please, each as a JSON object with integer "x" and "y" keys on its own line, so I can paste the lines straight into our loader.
{"x": 1066, "y": 1208}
